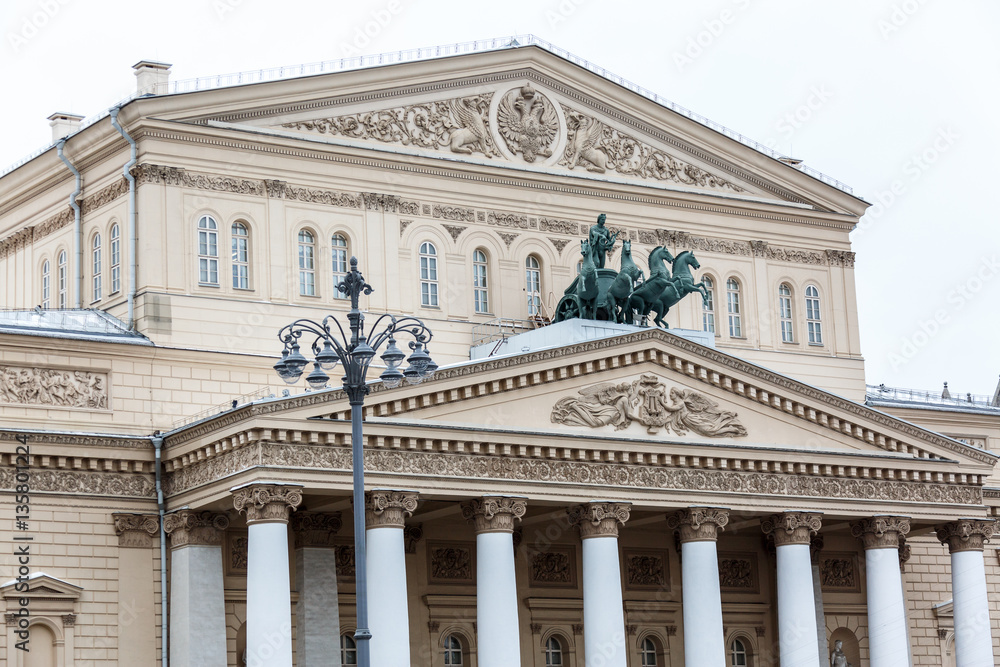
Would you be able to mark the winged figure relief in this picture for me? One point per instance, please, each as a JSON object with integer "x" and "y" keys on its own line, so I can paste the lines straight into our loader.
{"x": 585, "y": 135}
{"x": 471, "y": 135}
{"x": 528, "y": 123}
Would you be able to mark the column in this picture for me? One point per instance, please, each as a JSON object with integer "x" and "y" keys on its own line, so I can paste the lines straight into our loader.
{"x": 704, "y": 638}
{"x": 197, "y": 596}
{"x": 603, "y": 611}
{"x": 797, "y": 627}
{"x": 496, "y": 589}
{"x": 973, "y": 638}
{"x": 880, "y": 535}
{"x": 317, "y": 612}
{"x": 815, "y": 547}
{"x": 269, "y": 606}
{"x": 136, "y": 592}
{"x": 388, "y": 617}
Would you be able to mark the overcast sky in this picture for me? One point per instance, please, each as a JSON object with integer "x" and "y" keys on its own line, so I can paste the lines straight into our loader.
{"x": 897, "y": 98}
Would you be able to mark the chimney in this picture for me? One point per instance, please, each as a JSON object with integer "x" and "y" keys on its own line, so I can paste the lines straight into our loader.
{"x": 151, "y": 77}
{"x": 64, "y": 124}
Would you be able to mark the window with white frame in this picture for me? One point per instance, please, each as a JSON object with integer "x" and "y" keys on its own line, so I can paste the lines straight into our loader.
{"x": 733, "y": 306}
{"x": 63, "y": 280}
{"x": 708, "y": 305}
{"x": 553, "y": 653}
{"x": 307, "y": 263}
{"x": 338, "y": 256}
{"x": 452, "y": 650}
{"x": 241, "y": 255}
{"x": 785, "y": 312}
{"x": 116, "y": 259}
{"x": 737, "y": 654}
{"x": 813, "y": 322}
{"x": 648, "y": 653}
{"x": 428, "y": 275}
{"x": 208, "y": 251}
{"x": 46, "y": 283}
{"x": 95, "y": 257}
{"x": 533, "y": 285}
{"x": 480, "y": 286}
{"x": 348, "y": 651}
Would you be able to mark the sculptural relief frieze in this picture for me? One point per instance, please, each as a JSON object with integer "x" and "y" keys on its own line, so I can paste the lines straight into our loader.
{"x": 738, "y": 572}
{"x": 554, "y": 568}
{"x": 451, "y": 563}
{"x": 454, "y": 213}
{"x": 20, "y": 385}
{"x": 647, "y": 401}
{"x": 839, "y": 571}
{"x": 528, "y": 123}
{"x": 502, "y": 219}
{"x": 646, "y": 570}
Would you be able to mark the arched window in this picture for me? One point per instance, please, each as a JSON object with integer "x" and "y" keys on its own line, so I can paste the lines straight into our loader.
{"x": 708, "y": 305}
{"x": 428, "y": 275}
{"x": 241, "y": 256}
{"x": 733, "y": 306}
{"x": 348, "y": 651}
{"x": 480, "y": 288}
{"x": 452, "y": 650}
{"x": 208, "y": 251}
{"x": 813, "y": 316}
{"x": 63, "y": 279}
{"x": 338, "y": 255}
{"x": 553, "y": 653}
{"x": 46, "y": 283}
{"x": 116, "y": 259}
{"x": 737, "y": 654}
{"x": 533, "y": 285}
{"x": 648, "y": 653}
{"x": 307, "y": 263}
{"x": 785, "y": 312}
{"x": 96, "y": 263}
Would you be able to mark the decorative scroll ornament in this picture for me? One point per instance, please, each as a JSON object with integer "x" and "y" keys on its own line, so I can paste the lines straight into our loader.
{"x": 648, "y": 402}
{"x": 494, "y": 514}
{"x": 188, "y": 527}
{"x": 267, "y": 503}
{"x": 645, "y": 571}
{"x": 599, "y": 519}
{"x": 792, "y": 527}
{"x": 881, "y": 532}
{"x": 135, "y": 530}
{"x": 736, "y": 573}
{"x": 528, "y": 123}
{"x": 966, "y": 534}
{"x": 838, "y": 572}
{"x": 699, "y": 524}
{"x": 460, "y": 124}
{"x": 389, "y": 509}
{"x": 551, "y": 568}
{"x": 451, "y": 563}
{"x": 48, "y": 386}
{"x": 599, "y": 148}
{"x": 315, "y": 529}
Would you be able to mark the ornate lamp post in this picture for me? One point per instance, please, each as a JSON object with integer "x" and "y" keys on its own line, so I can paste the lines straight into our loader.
{"x": 331, "y": 345}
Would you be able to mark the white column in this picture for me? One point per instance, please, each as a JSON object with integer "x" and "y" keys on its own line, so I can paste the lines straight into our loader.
{"x": 887, "y": 643}
{"x": 973, "y": 636}
{"x": 197, "y": 597}
{"x": 269, "y": 606}
{"x": 388, "y": 619}
{"x": 496, "y": 589}
{"x": 603, "y": 610}
{"x": 317, "y": 612}
{"x": 704, "y": 638}
{"x": 797, "y": 626}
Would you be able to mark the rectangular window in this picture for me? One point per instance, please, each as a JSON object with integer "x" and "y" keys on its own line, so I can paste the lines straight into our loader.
{"x": 735, "y": 320}
{"x": 479, "y": 286}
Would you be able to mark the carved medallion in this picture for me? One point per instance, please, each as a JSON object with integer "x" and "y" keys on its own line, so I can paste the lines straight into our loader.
{"x": 648, "y": 402}
{"x": 528, "y": 123}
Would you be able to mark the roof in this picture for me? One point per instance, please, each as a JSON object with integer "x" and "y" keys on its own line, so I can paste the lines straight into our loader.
{"x": 918, "y": 399}
{"x": 80, "y": 324}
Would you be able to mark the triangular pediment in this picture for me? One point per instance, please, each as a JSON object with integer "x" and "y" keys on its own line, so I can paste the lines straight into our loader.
{"x": 40, "y": 586}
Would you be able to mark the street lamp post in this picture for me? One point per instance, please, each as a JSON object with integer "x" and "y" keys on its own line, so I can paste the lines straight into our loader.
{"x": 331, "y": 345}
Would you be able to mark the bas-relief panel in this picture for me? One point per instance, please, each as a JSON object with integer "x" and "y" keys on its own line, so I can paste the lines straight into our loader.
{"x": 34, "y": 386}
{"x": 738, "y": 572}
{"x": 553, "y": 568}
{"x": 838, "y": 571}
{"x": 451, "y": 562}
{"x": 646, "y": 570}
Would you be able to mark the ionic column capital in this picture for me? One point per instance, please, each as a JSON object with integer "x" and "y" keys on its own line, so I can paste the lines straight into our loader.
{"x": 597, "y": 519}
{"x": 135, "y": 530}
{"x": 699, "y": 524}
{"x": 389, "y": 508}
{"x": 494, "y": 514}
{"x": 267, "y": 503}
{"x": 194, "y": 528}
{"x": 881, "y": 532}
{"x": 792, "y": 527}
{"x": 315, "y": 529}
{"x": 966, "y": 534}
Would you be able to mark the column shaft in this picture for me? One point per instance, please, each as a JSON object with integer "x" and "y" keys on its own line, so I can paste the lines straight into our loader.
{"x": 704, "y": 639}
{"x": 887, "y": 642}
{"x": 385, "y": 512}
{"x": 317, "y": 613}
{"x": 973, "y": 633}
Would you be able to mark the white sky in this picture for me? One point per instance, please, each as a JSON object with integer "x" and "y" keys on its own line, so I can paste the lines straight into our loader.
{"x": 888, "y": 81}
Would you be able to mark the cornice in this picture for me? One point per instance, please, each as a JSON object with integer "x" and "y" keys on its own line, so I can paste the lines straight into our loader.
{"x": 80, "y": 440}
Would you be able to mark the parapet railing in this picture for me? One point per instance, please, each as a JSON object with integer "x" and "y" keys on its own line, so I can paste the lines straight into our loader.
{"x": 884, "y": 393}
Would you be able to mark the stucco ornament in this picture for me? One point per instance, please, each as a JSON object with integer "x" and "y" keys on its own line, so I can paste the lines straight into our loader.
{"x": 494, "y": 514}
{"x": 881, "y": 532}
{"x": 599, "y": 519}
{"x": 389, "y": 508}
{"x": 792, "y": 527}
{"x": 49, "y": 386}
{"x": 699, "y": 524}
{"x": 528, "y": 123}
{"x": 267, "y": 503}
{"x": 966, "y": 534}
{"x": 649, "y": 402}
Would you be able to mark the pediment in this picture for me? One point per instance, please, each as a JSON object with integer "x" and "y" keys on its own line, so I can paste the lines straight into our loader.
{"x": 42, "y": 586}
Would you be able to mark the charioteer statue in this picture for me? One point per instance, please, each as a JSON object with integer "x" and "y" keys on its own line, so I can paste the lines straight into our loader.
{"x": 626, "y": 296}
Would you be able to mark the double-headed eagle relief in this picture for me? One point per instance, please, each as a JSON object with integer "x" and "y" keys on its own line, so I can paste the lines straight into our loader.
{"x": 528, "y": 123}
{"x": 648, "y": 402}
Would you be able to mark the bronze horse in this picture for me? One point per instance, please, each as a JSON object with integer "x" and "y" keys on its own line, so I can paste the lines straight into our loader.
{"x": 618, "y": 294}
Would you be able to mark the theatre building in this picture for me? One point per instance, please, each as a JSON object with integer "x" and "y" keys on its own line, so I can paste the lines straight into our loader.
{"x": 726, "y": 492}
